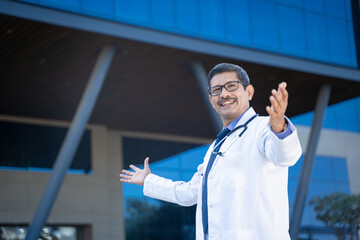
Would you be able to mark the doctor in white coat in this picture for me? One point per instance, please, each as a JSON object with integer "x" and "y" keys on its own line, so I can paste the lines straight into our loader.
{"x": 245, "y": 184}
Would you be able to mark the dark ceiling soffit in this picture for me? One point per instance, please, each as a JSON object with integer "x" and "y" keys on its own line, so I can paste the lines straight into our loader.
{"x": 117, "y": 29}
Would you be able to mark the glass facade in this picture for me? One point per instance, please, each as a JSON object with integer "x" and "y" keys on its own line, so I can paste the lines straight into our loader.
{"x": 310, "y": 29}
{"x": 342, "y": 116}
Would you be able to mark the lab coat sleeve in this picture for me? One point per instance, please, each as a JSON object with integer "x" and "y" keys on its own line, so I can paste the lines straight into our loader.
{"x": 182, "y": 193}
{"x": 282, "y": 152}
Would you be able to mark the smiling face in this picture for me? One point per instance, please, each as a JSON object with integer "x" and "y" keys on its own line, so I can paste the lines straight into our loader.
{"x": 230, "y": 105}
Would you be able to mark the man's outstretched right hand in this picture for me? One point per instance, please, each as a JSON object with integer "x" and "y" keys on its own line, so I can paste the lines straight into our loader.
{"x": 138, "y": 176}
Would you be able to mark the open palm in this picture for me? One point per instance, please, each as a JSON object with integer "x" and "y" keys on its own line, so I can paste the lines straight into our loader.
{"x": 138, "y": 176}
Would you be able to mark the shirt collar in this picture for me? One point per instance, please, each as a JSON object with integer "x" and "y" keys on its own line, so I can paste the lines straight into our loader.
{"x": 233, "y": 124}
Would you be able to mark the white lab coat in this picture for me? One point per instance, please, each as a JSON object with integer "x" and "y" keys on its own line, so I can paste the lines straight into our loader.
{"x": 247, "y": 186}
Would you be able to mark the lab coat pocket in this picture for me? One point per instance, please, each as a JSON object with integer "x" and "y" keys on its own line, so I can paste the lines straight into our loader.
{"x": 234, "y": 165}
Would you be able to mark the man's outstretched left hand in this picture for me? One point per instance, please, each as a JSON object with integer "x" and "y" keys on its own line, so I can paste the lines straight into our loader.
{"x": 279, "y": 102}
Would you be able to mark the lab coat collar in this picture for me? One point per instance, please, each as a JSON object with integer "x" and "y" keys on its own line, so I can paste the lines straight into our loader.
{"x": 247, "y": 115}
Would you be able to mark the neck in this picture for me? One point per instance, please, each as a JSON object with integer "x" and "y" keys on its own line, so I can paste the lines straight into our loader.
{"x": 233, "y": 121}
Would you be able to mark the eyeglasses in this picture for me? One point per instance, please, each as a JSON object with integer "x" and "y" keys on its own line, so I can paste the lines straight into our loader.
{"x": 229, "y": 86}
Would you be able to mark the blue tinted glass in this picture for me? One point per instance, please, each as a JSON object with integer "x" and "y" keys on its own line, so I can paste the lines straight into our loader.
{"x": 316, "y": 33}
{"x": 187, "y": 16}
{"x": 191, "y": 159}
{"x": 71, "y": 5}
{"x": 136, "y": 11}
{"x": 341, "y": 172}
{"x": 186, "y": 176}
{"x": 29, "y": 1}
{"x": 238, "y": 21}
{"x": 303, "y": 119}
{"x": 133, "y": 190}
{"x": 330, "y": 118}
{"x": 295, "y": 171}
{"x": 315, "y": 5}
{"x": 292, "y": 34}
{"x": 308, "y": 217}
{"x": 342, "y": 116}
{"x": 323, "y": 169}
{"x": 321, "y": 188}
{"x": 342, "y": 187}
{"x": 163, "y": 14}
{"x": 338, "y": 41}
{"x": 173, "y": 175}
{"x": 295, "y": 3}
{"x": 348, "y": 10}
{"x": 212, "y": 19}
{"x": 313, "y": 220}
{"x": 346, "y": 117}
{"x": 104, "y": 8}
{"x": 292, "y": 188}
{"x": 336, "y": 8}
{"x": 171, "y": 162}
{"x": 351, "y": 37}
{"x": 265, "y": 25}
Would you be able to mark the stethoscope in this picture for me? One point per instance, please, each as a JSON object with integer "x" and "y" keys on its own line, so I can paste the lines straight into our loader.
{"x": 245, "y": 126}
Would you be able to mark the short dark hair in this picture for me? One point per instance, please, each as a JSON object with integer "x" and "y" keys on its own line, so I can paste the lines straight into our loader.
{"x": 229, "y": 67}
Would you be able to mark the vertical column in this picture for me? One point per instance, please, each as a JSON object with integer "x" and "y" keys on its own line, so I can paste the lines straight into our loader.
{"x": 303, "y": 186}
{"x": 201, "y": 79}
{"x": 71, "y": 141}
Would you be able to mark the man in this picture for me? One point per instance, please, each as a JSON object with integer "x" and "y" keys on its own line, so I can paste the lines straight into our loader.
{"x": 241, "y": 187}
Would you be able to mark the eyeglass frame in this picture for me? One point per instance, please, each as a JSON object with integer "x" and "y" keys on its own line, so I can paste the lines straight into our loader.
{"x": 224, "y": 86}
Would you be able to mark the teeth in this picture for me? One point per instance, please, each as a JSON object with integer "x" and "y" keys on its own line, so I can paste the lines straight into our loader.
{"x": 225, "y": 103}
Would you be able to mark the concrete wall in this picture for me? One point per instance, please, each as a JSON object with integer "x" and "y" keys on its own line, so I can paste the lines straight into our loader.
{"x": 94, "y": 199}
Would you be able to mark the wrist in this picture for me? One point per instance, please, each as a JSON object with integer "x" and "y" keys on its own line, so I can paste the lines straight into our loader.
{"x": 280, "y": 127}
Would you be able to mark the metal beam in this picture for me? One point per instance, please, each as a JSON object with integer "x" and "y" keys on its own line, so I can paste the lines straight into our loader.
{"x": 201, "y": 79}
{"x": 71, "y": 141}
{"x": 153, "y": 36}
{"x": 304, "y": 182}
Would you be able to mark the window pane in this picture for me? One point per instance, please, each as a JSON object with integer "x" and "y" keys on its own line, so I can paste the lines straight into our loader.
{"x": 36, "y": 147}
{"x": 265, "y": 25}
{"x": 163, "y": 14}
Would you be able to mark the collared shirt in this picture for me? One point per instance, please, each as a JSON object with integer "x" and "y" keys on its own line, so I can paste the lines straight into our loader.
{"x": 280, "y": 135}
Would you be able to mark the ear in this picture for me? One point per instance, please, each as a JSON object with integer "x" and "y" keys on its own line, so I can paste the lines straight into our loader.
{"x": 250, "y": 91}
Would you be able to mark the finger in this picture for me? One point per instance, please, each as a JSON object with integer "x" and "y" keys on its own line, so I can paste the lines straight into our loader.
{"x": 284, "y": 93}
{"x": 283, "y": 85}
{"x": 269, "y": 110}
{"x": 275, "y": 104}
{"x": 124, "y": 176}
{"x": 146, "y": 163}
{"x": 127, "y": 172}
{"x": 134, "y": 168}
{"x": 277, "y": 95}
{"x": 125, "y": 180}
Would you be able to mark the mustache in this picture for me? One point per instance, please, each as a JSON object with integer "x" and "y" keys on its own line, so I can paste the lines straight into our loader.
{"x": 222, "y": 100}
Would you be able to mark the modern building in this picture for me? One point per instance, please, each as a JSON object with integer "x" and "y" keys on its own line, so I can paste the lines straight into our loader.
{"x": 152, "y": 56}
